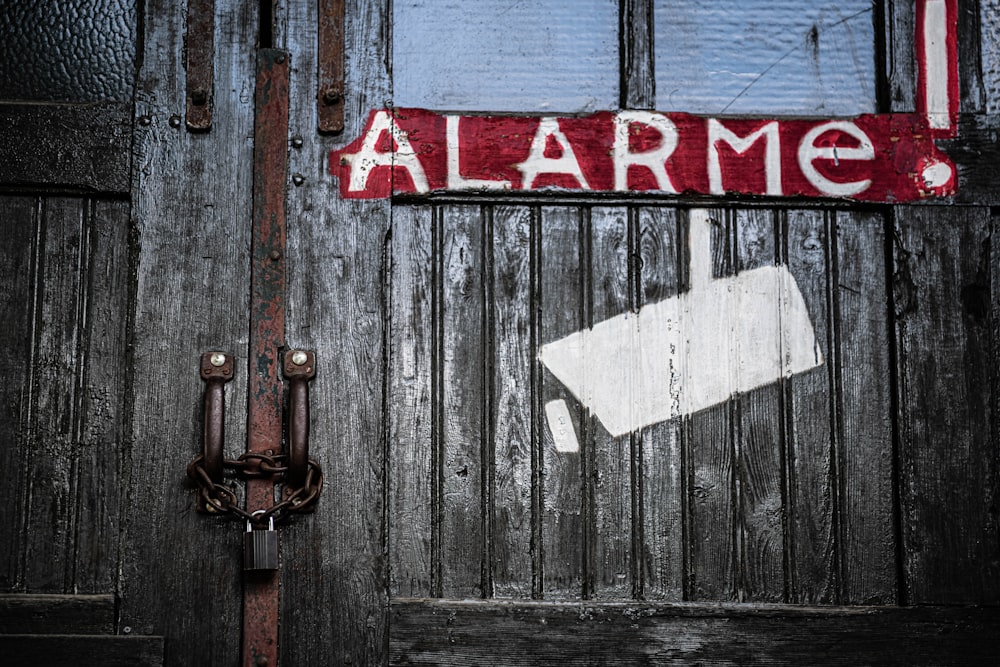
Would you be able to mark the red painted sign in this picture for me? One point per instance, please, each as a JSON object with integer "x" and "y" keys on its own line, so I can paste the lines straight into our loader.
{"x": 871, "y": 158}
{"x": 881, "y": 158}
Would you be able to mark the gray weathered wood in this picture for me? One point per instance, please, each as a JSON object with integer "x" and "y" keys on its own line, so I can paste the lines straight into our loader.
{"x": 944, "y": 300}
{"x": 68, "y": 650}
{"x": 513, "y": 337}
{"x": 459, "y": 633}
{"x": 661, "y": 559}
{"x": 191, "y": 199}
{"x": 811, "y": 456}
{"x": 867, "y": 509}
{"x": 411, "y": 349}
{"x": 337, "y": 253}
{"x": 610, "y": 485}
{"x": 638, "y": 83}
{"x": 56, "y": 614}
{"x": 563, "y": 303}
{"x": 80, "y": 146}
{"x": 462, "y": 465}
{"x": 989, "y": 49}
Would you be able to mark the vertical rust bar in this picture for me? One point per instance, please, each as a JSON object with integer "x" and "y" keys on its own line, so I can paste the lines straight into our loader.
{"x": 330, "y": 65}
{"x": 267, "y": 332}
{"x": 199, "y": 50}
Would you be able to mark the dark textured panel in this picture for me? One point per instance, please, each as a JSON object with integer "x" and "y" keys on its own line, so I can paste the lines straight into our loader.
{"x": 68, "y": 51}
{"x": 72, "y": 650}
{"x": 85, "y": 146}
{"x": 468, "y": 633}
{"x": 945, "y": 301}
{"x": 57, "y": 614}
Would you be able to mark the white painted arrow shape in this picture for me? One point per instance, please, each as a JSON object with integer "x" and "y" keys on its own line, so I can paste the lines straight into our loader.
{"x": 692, "y": 351}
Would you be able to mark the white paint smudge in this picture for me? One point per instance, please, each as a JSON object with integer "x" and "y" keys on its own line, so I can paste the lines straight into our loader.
{"x": 691, "y": 351}
{"x": 561, "y": 426}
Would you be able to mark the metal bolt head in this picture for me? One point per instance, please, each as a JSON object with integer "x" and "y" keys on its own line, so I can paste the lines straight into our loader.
{"x": 175, "y": 121}
{"x": 145, "y": 120}
{"x": 296, "y": 142}
{"x": 332, "y": 96}
{"x": 199, "y": 97}
{"x": 299, "y": 357}
{"x": 298, "y": 179}
{"x": 218, "y": 359}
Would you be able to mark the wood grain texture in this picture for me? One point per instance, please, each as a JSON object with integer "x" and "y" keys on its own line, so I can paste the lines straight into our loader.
{"x": 759, "y": 438}
{"x": 661, "y": 553}
{"x": 412, "y": 347}
{"x": 945, "y": 304}
{"x": 989, "y": 49}
{"x": 901, "y": 65}
{"x": 714, "y": 538}
{"x": 610, "y": 574}
{"x": 812, "y": 436}
{"x": 462, "y": 462}
{"x": 564, "y": 277}
{"x": 18, "y": 262}
{"x": 460, "y": 633}
{"x": 638, "y": 83}
{"x": 191, "y": 209}
{"x": 514, "y": 337}
{"x": 337, "y": 290}
{"x": 867, "y": 506}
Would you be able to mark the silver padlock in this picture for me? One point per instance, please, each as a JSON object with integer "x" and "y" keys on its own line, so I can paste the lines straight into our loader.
{"x": 260, "y": 547}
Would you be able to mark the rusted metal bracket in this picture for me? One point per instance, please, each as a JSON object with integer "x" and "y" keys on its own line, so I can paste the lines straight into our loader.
{"x": 300, "y": 367}
{"x": 330, "y": 66}
{"x": 216, "y": 370}
{"x": 199, "y": 50}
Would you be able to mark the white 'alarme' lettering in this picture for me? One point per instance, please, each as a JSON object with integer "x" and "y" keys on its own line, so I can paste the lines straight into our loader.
{"x": 655, "y": 160}
{"x": 809, "y": 152}
{"x": 717, "y": 132}
{"x": 537, "y": 163}
{"x": 369, "y": 157}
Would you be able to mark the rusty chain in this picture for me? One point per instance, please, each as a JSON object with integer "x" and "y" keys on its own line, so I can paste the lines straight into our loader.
{"x": 219, "y": 498}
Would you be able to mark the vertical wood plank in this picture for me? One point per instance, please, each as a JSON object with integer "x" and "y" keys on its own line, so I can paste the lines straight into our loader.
{"x": 811, "y": 449}
{"x": 105, "y": 350}
{"x": 866, "y": 511}
{"x": 18, "y": 259}
{"x": 563, "y": 313}
{"x": 945, "y": 326}
{"x": 411, "y": 347}
{"x": 513, "y": 539}
{"x": 191, "y": 209}
{"x": 970, "y": 57}
{"x": 638, "y": 85}
{"x": 462, "y": 359}
{"x": 612, "y": 473}
{"x": 57, "y": 371}
{"x": 662, "y": 548}
{"x": 713, "y": 535}
{"x": 759, "y": 436}
{"x": 900, "y": 65}
{"x": 336, "y": 291}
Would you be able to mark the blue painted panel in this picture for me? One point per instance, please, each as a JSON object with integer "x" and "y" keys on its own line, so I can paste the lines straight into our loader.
{"x": 802, "y": 57}
{"x": 506, "y": 55}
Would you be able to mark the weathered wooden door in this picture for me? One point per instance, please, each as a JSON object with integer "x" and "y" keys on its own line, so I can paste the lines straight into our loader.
{"x": 498, "y": 491}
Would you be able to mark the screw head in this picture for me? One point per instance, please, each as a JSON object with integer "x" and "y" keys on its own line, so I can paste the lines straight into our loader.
{"x": 199, "y": 97}
{"x": 175, "y": 121}
{"x": 296, "y": 142}
{"x": 279, "y": 59}
{"x": 332, "y": 96}
{"x": 218, "y": 359}
{"x": 145, "y": 120}
{"x": 298, "y": 179}
{"x": 299, "y": 357}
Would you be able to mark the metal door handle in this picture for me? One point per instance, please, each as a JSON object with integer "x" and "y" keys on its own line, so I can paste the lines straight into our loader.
{"x": 300, "y": 367}
{"x": 216, "y": 370}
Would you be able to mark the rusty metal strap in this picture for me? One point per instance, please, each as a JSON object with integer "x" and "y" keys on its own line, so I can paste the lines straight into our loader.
{"x": 267, "y": 331}
{"x": 199, "y": 54}
{"x": 330, "y": 66}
